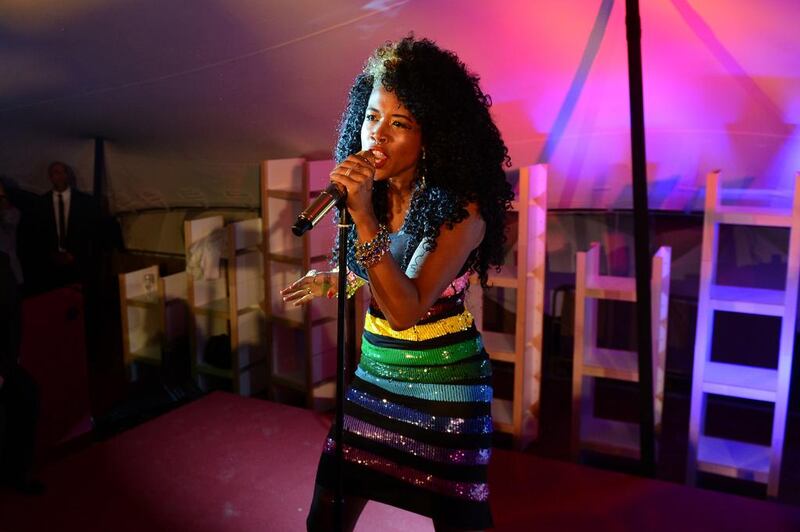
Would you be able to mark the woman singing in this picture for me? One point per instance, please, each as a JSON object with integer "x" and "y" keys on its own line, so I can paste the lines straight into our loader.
{"x": 422, "y": 162}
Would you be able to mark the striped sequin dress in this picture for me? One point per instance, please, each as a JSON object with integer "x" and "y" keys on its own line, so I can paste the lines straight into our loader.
{"x": 417, "y": 419}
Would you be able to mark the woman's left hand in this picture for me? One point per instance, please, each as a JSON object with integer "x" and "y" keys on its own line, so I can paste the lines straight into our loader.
{"x": 356, "y": 174}
{"x": 312, "y": 284}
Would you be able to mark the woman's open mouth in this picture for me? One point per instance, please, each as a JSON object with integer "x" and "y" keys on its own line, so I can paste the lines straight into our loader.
{"x": 380, "y": 157}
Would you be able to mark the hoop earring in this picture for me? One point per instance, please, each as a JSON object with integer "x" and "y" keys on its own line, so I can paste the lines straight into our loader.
{"x": 423, "y": 184}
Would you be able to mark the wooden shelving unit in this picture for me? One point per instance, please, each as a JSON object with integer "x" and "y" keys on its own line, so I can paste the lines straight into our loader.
{"x": 591, "y": 362}
{"x": 152, "y": 309}
{"x": 525, "y": 275}
{"x": 759, "y": 463}
{"x": 302, "y": 339}
{"x": 228, "y": 304}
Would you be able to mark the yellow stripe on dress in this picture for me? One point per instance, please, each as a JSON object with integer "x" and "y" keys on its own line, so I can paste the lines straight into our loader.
{"x": 428, "y": 331}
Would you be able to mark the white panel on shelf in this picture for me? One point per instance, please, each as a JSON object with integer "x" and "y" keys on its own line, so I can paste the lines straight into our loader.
{"x": 144, "y": 328}
{"x": 252, "y": 332}
{"x": 610, "y": 436}
{"x": 288, "y": 357}
{"x": 282, "y": 215}
{"x": 503, "y": 411}
{"x": 246, "y": 233}
{"x": 319, "y": 174}
{"x": 249, "y": 279}
{"x": 282, "y": 275}
{"x": 175, "y": 286}
{"x": 321, "y": 239}
{"x": 285, "y": 174}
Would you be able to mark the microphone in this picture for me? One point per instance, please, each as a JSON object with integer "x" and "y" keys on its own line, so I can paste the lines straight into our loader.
{"x": 326, "y": 200}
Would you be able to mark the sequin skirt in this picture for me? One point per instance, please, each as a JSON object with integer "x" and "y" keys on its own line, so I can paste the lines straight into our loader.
{"x": 417, "y": 420}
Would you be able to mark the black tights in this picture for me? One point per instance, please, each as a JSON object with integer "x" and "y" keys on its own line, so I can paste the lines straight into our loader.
{"x": 321, "y": 515}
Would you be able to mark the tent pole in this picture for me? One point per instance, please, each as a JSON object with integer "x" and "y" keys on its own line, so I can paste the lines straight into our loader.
{"x": 641, "y": 238}
{"x": 99, "y": 177}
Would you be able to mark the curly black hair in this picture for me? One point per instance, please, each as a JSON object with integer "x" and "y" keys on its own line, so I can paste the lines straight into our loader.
{"x": 464, "y": 153}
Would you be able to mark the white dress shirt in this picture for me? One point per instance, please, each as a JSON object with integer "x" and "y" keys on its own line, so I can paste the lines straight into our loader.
{"x": 66, "y": 195}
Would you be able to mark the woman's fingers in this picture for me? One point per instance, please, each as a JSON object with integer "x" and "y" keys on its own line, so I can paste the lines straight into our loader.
{"x": 310, "y": 275}
{"x": 357, "y": 167}
{"x": 311, "y": 285}
{"x": 298, "y": 298}
{"x": 355, "y": 176}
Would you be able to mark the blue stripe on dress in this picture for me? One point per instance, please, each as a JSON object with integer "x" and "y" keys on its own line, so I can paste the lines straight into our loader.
{"x": 451, "y": 393}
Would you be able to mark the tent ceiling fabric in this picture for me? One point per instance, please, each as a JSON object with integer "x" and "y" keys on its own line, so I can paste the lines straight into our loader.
{"x": 191, "y": 95}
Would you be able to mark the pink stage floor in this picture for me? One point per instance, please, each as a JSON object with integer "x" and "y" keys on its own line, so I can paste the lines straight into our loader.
{"x": 225, "y": 463}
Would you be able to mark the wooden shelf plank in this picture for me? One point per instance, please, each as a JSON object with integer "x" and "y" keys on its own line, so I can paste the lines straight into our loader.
{"x": 507, "y": 428}
{"x": 250, "y": 249}
{"x": 144, "y": 301}
{"x": 290, "y": 195}
{"x": 325, "y": 389}
{"x": 248, "y": 309}
{"x": 610, "y": 436}
{"x": 503, "y": 415}
{"x": 734, "y": 380}
{"x": 149, "y": 353}
{"x": 611, "y": 287}
{"x": 748, "y": 300}
{"x": 299, "y": 324}
{"x": 611, "y": 364}
{"x": 759, "y": 216}
{"x": 285, "y": 259}
{"x": 729, "y": 196}
{"x": 507, "y": 278}
{"x": 288, "y": 381}
{"x": 510, "y": 358}
{"x": 207, "y": 369}
{"x": 217, "y": 307}
{"x": 735, "y": 459}
{"x": 500, "y": 346}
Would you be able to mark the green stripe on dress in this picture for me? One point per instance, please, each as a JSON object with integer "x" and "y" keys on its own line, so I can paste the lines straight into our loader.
{"x": 472, "y": 369}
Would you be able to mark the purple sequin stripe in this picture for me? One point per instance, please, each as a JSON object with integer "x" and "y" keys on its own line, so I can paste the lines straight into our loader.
{"x": 457, "y": 425}
{"x": 417, "y": 448}
{"x": 474, "y": 491}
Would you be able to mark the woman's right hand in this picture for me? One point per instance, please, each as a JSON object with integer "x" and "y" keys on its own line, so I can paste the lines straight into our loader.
{"x": 312, "y": 284}
{"x": 356, "y": 174}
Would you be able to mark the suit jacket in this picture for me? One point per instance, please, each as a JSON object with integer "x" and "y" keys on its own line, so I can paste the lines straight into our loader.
{"x": 81, "y": 240}
{"x": 82, "y": 223}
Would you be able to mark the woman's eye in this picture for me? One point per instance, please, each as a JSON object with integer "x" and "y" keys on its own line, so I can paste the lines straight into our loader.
{"x": 397, "y": 123}
{"x": 370, "y": 118}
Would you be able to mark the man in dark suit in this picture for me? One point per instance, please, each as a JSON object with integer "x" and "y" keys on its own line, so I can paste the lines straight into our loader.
{"x": 68, "y": 222}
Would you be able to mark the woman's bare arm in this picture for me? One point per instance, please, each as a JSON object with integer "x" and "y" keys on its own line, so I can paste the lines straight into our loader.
{"x": 404, "y": 297}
